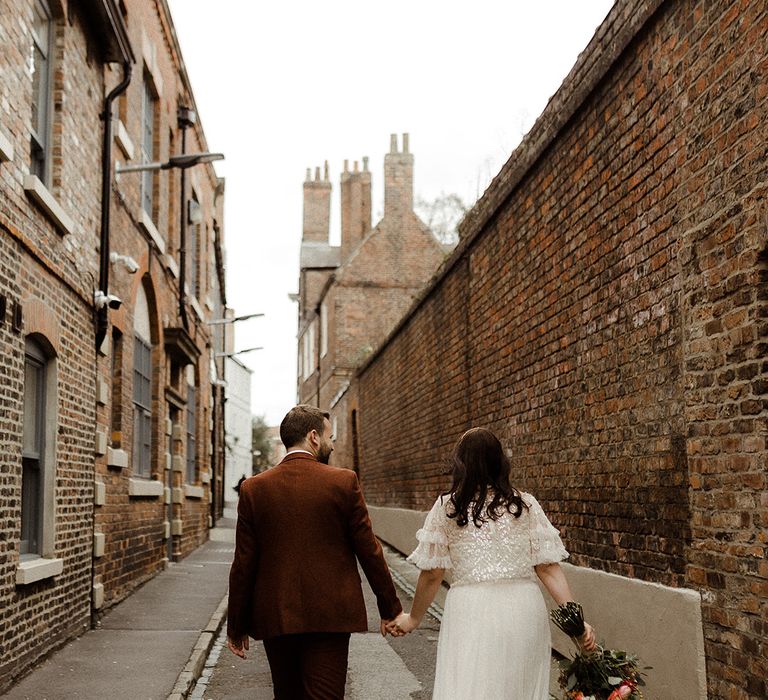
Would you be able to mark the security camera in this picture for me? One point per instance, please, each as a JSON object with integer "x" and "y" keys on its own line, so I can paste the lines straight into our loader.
{"x": 101, "y": 300}
{"x": 130, "y": 264}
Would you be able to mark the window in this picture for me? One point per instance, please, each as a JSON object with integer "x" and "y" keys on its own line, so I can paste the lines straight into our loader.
{"x": 311, "y": 348}
{"x": 191, "y": 434}
{"x": 195, "y": 215}
{"x": 40, "y": 66}
{"x": 142, "y": 407}
{"x": 323, "y": 329}
{"x": 171, "y": 197}
{"x": 308, "y": 347}
{"x": 148, "y": 110}
{"x": 33, "y": 455}
{"x": 117, "y": 389}
{"x": 301, "y": 357}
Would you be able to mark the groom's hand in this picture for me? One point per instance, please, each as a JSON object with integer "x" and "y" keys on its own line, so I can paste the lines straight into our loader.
{"x": 238, "y": 646}
{"x": 389, "y": 627}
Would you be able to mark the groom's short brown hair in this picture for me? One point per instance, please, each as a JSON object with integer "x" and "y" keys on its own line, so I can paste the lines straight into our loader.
{"x": 299, "y": 421}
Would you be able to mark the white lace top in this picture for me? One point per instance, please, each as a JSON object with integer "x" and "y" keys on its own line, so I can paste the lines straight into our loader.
{"x": 506, "y": 548}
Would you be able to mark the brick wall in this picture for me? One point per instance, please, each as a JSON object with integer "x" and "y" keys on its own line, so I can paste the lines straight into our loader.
{"x": 49, "y": 275}
{"x": 52, "y": 277}
{"x": 135, "y": 527}
{"x": 605, "y": 313}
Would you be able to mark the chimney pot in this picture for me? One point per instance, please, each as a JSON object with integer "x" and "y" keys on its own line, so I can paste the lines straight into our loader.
{"x": 346, "y": 165}
{"x": 356, "y": 167}
{"x": 365, "y": 164}
{"x": 405, "y": 143}
{"x": 393, "y": 143}
{"x": 317, "y": 174}
{"x": 326, "y": 171}
{"x": 309, "y": 174}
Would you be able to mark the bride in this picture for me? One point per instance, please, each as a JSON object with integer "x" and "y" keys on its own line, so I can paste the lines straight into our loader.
{"x": 494, "y": 639}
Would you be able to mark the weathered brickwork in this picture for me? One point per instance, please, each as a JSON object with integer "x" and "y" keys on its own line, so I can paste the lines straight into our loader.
{"x": 605, "y": 314}
{"x": 49, "y": 276}
{"x": 110, "y": 527}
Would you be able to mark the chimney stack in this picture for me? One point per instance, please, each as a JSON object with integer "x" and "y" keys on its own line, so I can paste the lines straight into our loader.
{"x": 398, "y": 179}
{"x": 355, "y": 206}
{"x": 317, "y": 206}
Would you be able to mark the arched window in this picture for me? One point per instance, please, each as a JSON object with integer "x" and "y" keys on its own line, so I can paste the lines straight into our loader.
{"x": 142, "y": 387}
{"x": 33, "y": 476}
{"x": 191, "y": 426}
{"x": 38, "y": 450}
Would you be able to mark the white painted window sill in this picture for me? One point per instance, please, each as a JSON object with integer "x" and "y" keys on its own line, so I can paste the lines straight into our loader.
{"x": 191, "y": 491}
{"x": 40, "y": 194}
{"x": 6, "y": 148}
{"x": 196, "y": 308}
{"x": 172, "y": 266}
{"x": 143, "y": 488}
{"x": 151, "y": 230}
{"x": 37, "y": 569}
{"x": 123, "y": 140}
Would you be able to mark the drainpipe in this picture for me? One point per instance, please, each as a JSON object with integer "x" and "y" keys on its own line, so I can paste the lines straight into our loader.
{"x": 186, "y": 117}
{"x": 106, "y": 182}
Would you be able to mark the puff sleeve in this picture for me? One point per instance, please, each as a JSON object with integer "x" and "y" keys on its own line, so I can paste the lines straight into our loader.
{"x": 432, "y": 551}
{"x": 546, "y": 545}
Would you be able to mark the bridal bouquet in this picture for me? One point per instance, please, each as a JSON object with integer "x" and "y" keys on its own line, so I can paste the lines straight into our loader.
{"x": 604, "y": 674}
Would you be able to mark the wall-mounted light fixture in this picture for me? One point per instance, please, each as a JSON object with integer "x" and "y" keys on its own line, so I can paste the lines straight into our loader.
{"x": 239, "y": 352}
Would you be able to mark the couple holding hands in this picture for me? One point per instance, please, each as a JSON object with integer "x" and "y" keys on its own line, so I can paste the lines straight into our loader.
{"x": 303, "y": 526}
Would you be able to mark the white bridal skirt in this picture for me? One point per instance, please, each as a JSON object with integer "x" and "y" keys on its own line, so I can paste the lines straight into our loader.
{"x": 494, "y": 643}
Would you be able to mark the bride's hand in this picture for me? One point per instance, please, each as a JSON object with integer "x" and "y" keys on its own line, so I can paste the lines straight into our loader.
{"x": 587, "y": 640}
{"x": 405, "y": 622}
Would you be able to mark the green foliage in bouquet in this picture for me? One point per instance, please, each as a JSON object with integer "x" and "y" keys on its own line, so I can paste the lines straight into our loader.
{"x": 604, "y": 674}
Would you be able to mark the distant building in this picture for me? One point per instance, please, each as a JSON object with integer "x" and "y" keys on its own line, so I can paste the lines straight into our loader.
{"x": 278, "y": 449}
{"x": 237, "y": 422}
{"x": 351, "y": 296}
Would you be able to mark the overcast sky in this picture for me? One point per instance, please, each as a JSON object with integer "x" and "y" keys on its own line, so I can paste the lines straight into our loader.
{"x": 282, "y": 86}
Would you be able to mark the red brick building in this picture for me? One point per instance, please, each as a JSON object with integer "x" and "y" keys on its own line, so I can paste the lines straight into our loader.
{"x": 605, "y": 314}
{"x": 112, "y": 430}
{"x": 352, "y": 295}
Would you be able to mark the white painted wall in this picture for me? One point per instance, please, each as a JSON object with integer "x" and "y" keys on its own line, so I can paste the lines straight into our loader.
{"x": 237, "y": 425}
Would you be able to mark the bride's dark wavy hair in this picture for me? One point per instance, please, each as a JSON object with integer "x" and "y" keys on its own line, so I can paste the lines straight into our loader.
{"x": 479, "y": 467}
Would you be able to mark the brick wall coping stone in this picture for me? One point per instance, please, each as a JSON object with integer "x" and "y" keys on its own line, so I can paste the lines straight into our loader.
{"x": 622, "y": 24}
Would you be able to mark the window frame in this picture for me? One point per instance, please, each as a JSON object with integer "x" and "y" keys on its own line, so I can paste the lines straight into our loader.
{"x": 147, "y": 145}
{"x": 142, "y": 409}
{"x": 191, "y": 435}
{"x": 40, "y": 129}
{"x": 323, "y": 329}
{"x": 34, "y": 462}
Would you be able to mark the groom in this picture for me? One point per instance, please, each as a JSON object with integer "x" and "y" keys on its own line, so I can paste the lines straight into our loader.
{"x": 294, "y": 583}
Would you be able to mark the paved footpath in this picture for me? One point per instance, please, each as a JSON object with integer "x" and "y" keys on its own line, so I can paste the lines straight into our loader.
{"x": 144, "y": 643}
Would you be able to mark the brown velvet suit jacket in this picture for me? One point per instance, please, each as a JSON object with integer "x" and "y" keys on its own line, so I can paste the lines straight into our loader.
{"x": 300, "y": 528}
